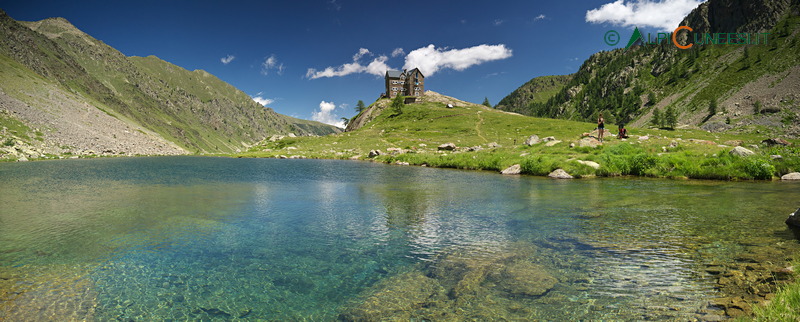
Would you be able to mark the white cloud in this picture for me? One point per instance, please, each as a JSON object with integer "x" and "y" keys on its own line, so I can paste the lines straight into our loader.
{"x": 428, "y": 59}
{"x": 262, "y": 100}
{"x": 326, "y": 115}
{"x": 431, "y": 59}
{"x": 361, "y": 53}
{"x": 498, "y": 22}
{"x": 539, "y": 17}
{"x": 269, "y": 63}
{"x": 664, "y": 15}
{"x": 376, "y": 67}
{"x": 398, "y": 52}
{"x": 227, "y": 59}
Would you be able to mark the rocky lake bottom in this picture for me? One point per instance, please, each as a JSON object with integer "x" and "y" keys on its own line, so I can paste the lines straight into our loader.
{"x": 238, "y": 239}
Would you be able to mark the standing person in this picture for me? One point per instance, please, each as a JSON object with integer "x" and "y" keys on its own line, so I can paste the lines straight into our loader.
{"x": 601, "y": 125}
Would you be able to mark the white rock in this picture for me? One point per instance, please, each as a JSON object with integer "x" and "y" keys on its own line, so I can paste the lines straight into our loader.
{"x": 791, "y": 176}
{"x": 559, "y": 174}
{"x": 741, "y": 152}
{"x": 552, "y": 143}
{"x": 533, "y": 139}
{"x": 512, "y": 170}
{"x": 592, "y": 164}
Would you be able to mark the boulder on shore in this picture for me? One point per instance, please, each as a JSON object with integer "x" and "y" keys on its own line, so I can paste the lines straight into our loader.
{"x": 374, "y": 153}
{"x": 791, "y": 176}
{"x": 512, "y": 170}
{"x": 794, "y": 219}
{"x": 559, "y": 174}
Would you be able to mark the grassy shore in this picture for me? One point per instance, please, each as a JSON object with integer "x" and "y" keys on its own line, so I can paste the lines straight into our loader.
{"x": 493, "y": 140}
{"x": 785, "y": 306}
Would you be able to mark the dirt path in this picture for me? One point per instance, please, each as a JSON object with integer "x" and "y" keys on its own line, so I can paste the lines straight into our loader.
{"x": 478, "y": 127}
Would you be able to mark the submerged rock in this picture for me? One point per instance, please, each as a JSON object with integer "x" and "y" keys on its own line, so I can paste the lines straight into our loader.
{"x": 402, "y": 297}
{"x": 524, "y": 278}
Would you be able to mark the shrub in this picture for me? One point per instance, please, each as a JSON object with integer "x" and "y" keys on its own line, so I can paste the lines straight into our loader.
{"x": 759, "y": 168}
{"x": 538, "y": 166}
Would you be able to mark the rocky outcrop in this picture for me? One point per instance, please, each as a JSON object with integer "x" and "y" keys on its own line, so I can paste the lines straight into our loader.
{"x": 447, "y": 147}
{"x": 736, "y": 16}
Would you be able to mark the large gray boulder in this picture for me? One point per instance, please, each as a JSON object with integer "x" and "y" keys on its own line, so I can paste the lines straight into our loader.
{"x": 447, "y": 147}
{"x": 794, "y": 219}
{"x": 791, "y": 176}
{"x": 374, "y": 153}
{"x": 533, "y": 139}
{"x": 589, "y": 141}
{"x": 741, "y": 152}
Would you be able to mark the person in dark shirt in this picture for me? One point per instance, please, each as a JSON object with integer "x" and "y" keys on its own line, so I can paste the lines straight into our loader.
{"x": 601, "y": 126}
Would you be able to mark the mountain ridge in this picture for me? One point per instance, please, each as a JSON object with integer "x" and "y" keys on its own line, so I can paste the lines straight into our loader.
{"x": 193, "y": 110}
{"x": 629, "y": 85}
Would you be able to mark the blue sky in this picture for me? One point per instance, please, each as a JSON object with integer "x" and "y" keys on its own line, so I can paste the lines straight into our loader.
{"x": 315, "y": 59}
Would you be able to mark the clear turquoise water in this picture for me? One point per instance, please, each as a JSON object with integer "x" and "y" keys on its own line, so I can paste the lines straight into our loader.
{"x": 217, "y": 238}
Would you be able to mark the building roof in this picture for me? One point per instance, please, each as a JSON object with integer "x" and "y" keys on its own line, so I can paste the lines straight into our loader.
{"x": 394, "y": 73}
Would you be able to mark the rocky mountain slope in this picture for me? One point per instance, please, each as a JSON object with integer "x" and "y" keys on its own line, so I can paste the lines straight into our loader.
{"x": 72, "y": 93}
{"x": 537, "y": 90}
{"x": 752, "y": 88}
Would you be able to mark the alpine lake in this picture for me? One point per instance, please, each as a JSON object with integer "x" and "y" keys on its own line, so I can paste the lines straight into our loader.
{"x": 203, "y": 238}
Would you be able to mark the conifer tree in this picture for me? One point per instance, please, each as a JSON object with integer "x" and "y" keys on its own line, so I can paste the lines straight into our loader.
{"x": 360, "y": 106}
{"x": 656, "y": 120}
{"x": 670, "y": 117}
{"x": 486, "y": 102}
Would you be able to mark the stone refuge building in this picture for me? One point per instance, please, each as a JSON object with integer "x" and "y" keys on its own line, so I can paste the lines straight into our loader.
{"x": 406, "y": 83}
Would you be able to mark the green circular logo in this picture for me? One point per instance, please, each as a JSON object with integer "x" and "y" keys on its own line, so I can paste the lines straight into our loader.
{"x": 611, "y": 38}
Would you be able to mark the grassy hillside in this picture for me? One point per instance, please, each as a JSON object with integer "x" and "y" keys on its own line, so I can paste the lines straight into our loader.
{"x": 192, "y": 109}
{"x": 754, "y": 86}
{"x": 538, "y": 90}
{"x": 489, "y": 139}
